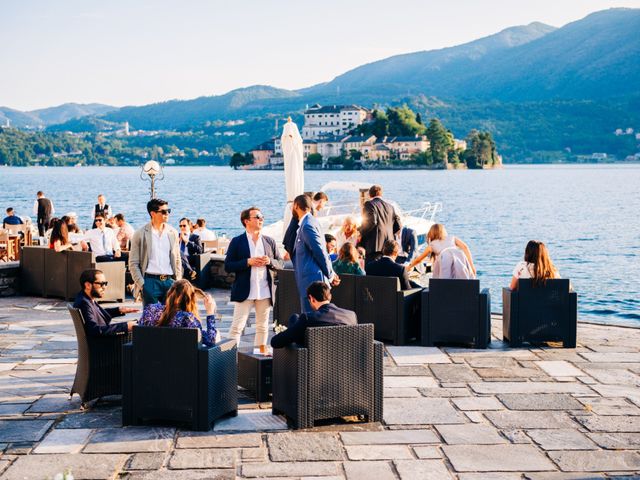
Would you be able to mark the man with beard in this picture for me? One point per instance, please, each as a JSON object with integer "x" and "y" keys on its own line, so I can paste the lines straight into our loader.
{"x": 97, "y": 320}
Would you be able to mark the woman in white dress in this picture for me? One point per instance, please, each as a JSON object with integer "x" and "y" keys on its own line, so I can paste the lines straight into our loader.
{"x": 451, "y": 256}
{"x": 536, "y": 265}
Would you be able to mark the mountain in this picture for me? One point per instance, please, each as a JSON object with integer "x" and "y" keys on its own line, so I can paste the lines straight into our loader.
{"x": 52, "y": 115}
{"x": 18, "y": 119}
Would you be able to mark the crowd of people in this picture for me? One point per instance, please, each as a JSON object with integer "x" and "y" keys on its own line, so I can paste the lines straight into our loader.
{"x": 159, "y": 256}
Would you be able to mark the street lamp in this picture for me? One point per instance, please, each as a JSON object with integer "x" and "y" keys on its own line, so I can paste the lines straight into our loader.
{"x": 153, "y": 171}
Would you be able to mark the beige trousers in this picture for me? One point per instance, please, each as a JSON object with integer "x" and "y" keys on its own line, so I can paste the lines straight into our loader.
{"x": 241, "y": 315}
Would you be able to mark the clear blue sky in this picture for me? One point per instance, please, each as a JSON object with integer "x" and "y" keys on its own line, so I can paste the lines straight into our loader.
{"x": 142, "y": 51}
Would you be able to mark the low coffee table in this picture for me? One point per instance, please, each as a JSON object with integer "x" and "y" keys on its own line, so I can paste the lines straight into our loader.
{"x": 254, "y": 373}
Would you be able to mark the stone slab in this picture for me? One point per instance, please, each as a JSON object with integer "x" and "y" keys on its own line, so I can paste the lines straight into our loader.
{"x": 423, "y": 452}
{"x": 10, "y": 409}
{"x": 539, "y": 401}
{"x": 609, "y": 406}
{"x": 417, "y": 355}
{"x": 529, "y": 419}
{"x": 470, "y": 434}
{"x": 55, "y": 403}
{"x": 251, "y": 421}
{"x": 477, "y": 403}
{"x": 303, "y": 446}
{"x": 369, "y": 470}
{"x": 496, "y": 458}
{"x": 561, "y": 439}
{"x": 489, "y": 476}
{"x": 130, "y": 440}
{"x": 146, "y": 461}
{"x": 292, "y": 469}
{"x": 632, "y": 393}
{"x": 389, "y": 437}
{"x": 412, "y": 382}
{"x": 529, "y": 387}
{"x": 420, "y": 411}
{"x": 454, "y": 373}
{"x": 401, "y": 392}
{"x": 615, "y": 423}
{"x": 214, "y": 440}
{"x": 596, "y": 461}
{"x": 422, "y": 469}
{"x": 84, "y": 467}
{"x": 614, "y": 376}
{"x": 492, "y": 362}
{"x": 559, "y": 368}
{"x": 23, "y": 430}
{"x": 93, "y": 419}
{"x": 612, "y": 357}
{"x": 202, "y": 458}
{"x": 406, "y": 371}
{"x": 445, "y": 392}
{"x": 223, "y": 474}
{"x": 378, "y": 452}
{"x": 616, "y": 441}
{"x": 64, "y": 441}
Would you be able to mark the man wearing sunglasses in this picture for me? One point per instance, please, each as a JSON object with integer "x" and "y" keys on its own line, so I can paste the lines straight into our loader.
{"x": 252, "y": 257}
{"x": 103, "y": 241}
{"x": 97, "y": 320}
{"x": 154, "y": 258}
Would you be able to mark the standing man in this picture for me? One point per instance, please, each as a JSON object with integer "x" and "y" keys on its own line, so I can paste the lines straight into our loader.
{"x": 97, "y": 320}
{"x": 320, "y": 199}
{"x": 310, "y": 259}
{"x": 11, "y": 218}
{"x": 154, "y": 258}
{"x": 380, "y": 223}
{"x": 408, "y": 242}
{"x": 189, "y": 246}
{"x": 43, "y": 209}
{"x": 253, "y": 257}
{"x": 103, "y": 241}
{"x": 101, "y": 208}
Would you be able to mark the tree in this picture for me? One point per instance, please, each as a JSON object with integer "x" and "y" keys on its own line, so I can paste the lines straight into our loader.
{"x": 355, "y": 154}
{"x": 314, "y": 159}
{"x": 239, "y": 160}
{"x": 419, "y": 118}
{"x": 481, "y": 149}
{"x": 440, "y": 140}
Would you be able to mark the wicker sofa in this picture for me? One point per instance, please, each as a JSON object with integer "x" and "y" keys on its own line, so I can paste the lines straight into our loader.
{"x": 338, "y": 373}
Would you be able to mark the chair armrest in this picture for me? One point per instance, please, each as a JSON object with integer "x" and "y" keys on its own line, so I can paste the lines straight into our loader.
{"x": 410, "y": 292}
{"x": 290, "y": 383}
{"x": 484, "y": 317}
{"x": 509, "y": 314}
{"x": 217, "y": 379}
{"x": 378, "y": 380}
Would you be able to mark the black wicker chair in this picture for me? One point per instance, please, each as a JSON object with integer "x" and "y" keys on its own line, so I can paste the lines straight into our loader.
{"x": 338, "y": 374}
{"x": 169, "y": 376}
{"x": 394, "y": 312}
{"x": 540, "y": 314}
{"x": 99, "y": 369}
{"x": 456, "y": 311}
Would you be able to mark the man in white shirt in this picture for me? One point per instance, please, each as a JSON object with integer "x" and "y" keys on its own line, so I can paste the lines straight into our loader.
{"x": 154, "y": 258}
{"x": 252, "y": 256}
{"x": 203, "y": 232}
{"x": 103, "y": 241}
{"x": 125, "y": 231}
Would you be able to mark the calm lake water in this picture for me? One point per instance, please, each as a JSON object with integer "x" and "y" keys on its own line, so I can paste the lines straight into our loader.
{"x": 588, "y": 215}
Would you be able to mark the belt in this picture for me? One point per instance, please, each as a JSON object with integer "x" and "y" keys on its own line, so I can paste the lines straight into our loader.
{"x": 159, "y": 277}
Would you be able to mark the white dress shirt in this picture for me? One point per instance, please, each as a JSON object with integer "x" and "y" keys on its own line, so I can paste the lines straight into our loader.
{"x": 205, "y": 234}
{"x": 159, "y": 253}
{"x": 259, "y": 282}
{"x": 103, "y": 242}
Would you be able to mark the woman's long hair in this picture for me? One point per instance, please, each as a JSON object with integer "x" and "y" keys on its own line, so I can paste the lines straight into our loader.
{"x": 348, "y": 253}
{"x": 437, "y": 232}
{"x": 537, "y": 254}
{"x": 181, "y": 297}
{"x": 59, "y": 232}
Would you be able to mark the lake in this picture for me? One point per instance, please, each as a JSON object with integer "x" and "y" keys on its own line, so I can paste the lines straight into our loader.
{"x": 588, "y": 215}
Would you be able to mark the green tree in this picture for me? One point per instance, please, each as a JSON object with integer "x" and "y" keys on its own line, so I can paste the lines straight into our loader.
{"x": 481, "y": 149}
{"x": 238, "y": 160}
{"x": 314, "y": 159}
{"x": 440, "y": 140}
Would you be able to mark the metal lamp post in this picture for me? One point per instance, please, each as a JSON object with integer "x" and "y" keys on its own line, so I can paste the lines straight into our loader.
{"x": 153, "y": 171}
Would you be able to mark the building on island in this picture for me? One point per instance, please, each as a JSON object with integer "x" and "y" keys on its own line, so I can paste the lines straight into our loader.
{"x": 262, "y": 153}
{"x": 332, "y": 120}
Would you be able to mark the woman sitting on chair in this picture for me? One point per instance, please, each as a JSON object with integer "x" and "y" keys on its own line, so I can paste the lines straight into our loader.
{"x": 181, "y": 311}
{"x": 452, "y": 257}
{"x": 347, "y": 261}
{"x": 59, "y": 239}
{"x": 537, "y": 265}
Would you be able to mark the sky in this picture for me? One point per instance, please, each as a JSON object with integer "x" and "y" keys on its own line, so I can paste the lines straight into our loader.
{"x": 137, "y": 52}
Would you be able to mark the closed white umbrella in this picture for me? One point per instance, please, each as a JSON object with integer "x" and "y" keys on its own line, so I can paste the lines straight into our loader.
{"x": 292, "y": 152}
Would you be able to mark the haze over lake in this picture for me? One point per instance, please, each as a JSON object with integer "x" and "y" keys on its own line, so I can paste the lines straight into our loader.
{"x": 586, "y": 214}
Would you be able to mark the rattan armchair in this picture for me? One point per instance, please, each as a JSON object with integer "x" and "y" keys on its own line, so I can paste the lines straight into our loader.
{"x": 168, "y": 375}
{"x": 99, "y": 368}
{"x": 338, "y": 373}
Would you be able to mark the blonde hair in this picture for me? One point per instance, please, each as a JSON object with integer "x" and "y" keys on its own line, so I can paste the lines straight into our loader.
{"x": 181, "y": 297}
{"x": 537, "y": 254}
{"x": 437, "y": 232}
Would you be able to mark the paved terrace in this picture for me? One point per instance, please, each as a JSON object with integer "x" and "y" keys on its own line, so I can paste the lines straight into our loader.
{"x": 539, "y": 413}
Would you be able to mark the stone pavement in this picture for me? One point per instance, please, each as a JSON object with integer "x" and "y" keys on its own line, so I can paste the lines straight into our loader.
{"x": 537, "y": 413}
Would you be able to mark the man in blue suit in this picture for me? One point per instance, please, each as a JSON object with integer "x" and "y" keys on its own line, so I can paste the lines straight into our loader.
{"x": 310, "y": 259}
{"x": 252, "y": 257}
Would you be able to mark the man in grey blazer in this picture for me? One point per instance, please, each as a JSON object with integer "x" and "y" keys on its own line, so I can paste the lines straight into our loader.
{"x": 154, "y": 258}
{"x": 380, "y": 222}
{"x": 310, "y": 259}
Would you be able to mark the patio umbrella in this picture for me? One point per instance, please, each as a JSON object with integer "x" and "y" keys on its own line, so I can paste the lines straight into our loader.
{"x": 293, "y": 167}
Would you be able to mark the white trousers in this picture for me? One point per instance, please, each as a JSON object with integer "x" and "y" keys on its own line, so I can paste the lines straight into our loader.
{"x": 241, "y": 312}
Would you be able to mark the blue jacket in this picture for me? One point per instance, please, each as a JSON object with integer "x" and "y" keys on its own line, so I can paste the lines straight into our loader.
{"x": 97, "y": 320}
{"x": 236, "y": 261}
{"x": 310, "y": 259}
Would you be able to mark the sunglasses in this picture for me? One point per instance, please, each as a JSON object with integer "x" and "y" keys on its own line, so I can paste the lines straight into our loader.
{"x": 259, "y": 216}
{"x": 99, "y": 220}
{"x": 102, "y": 284}
{"x": 184, "y": 226}
{"x": 164, "y": 211}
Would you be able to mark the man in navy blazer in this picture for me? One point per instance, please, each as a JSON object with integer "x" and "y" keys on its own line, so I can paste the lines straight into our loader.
{"x": 252, "y": 257}
{"x": 310, "y": 259}
{"x": 323, "y": 314}
{"x": 97, "y": 320}
{"x": 386, "y": 265}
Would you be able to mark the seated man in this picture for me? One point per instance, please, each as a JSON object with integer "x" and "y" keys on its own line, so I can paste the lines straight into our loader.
{"x": 332, "y": 246}
{"x": 386, "y": 265}
{"x": 103, "y": 241}
{"x": 97, "y": 320}
{"x": 323, "y": 314}
{"x": 11, "y": 218}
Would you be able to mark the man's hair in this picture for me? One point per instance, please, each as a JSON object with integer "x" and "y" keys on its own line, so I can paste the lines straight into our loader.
{"x": 100, "y": 215}
{"x": 320, "y": 291}
{"x": 39, "y": 194}
{"x": 9, "y": 210}
{"x": 154, "y": 204}
{"x": 100, "y": 195}
{"x": 375, "y": 191}
{"x": 328, "y": 238}
{"x": 320, "y": 196}
{"x": 390, "y": 247}
{"x": 89, "y": 276}
{"x": 245, "y": 215}
{"x": 187, "y": 220}
{"x": 119, "y": 217}
{"x": 201, "y": 222}
{"x": 303, "y": 202}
